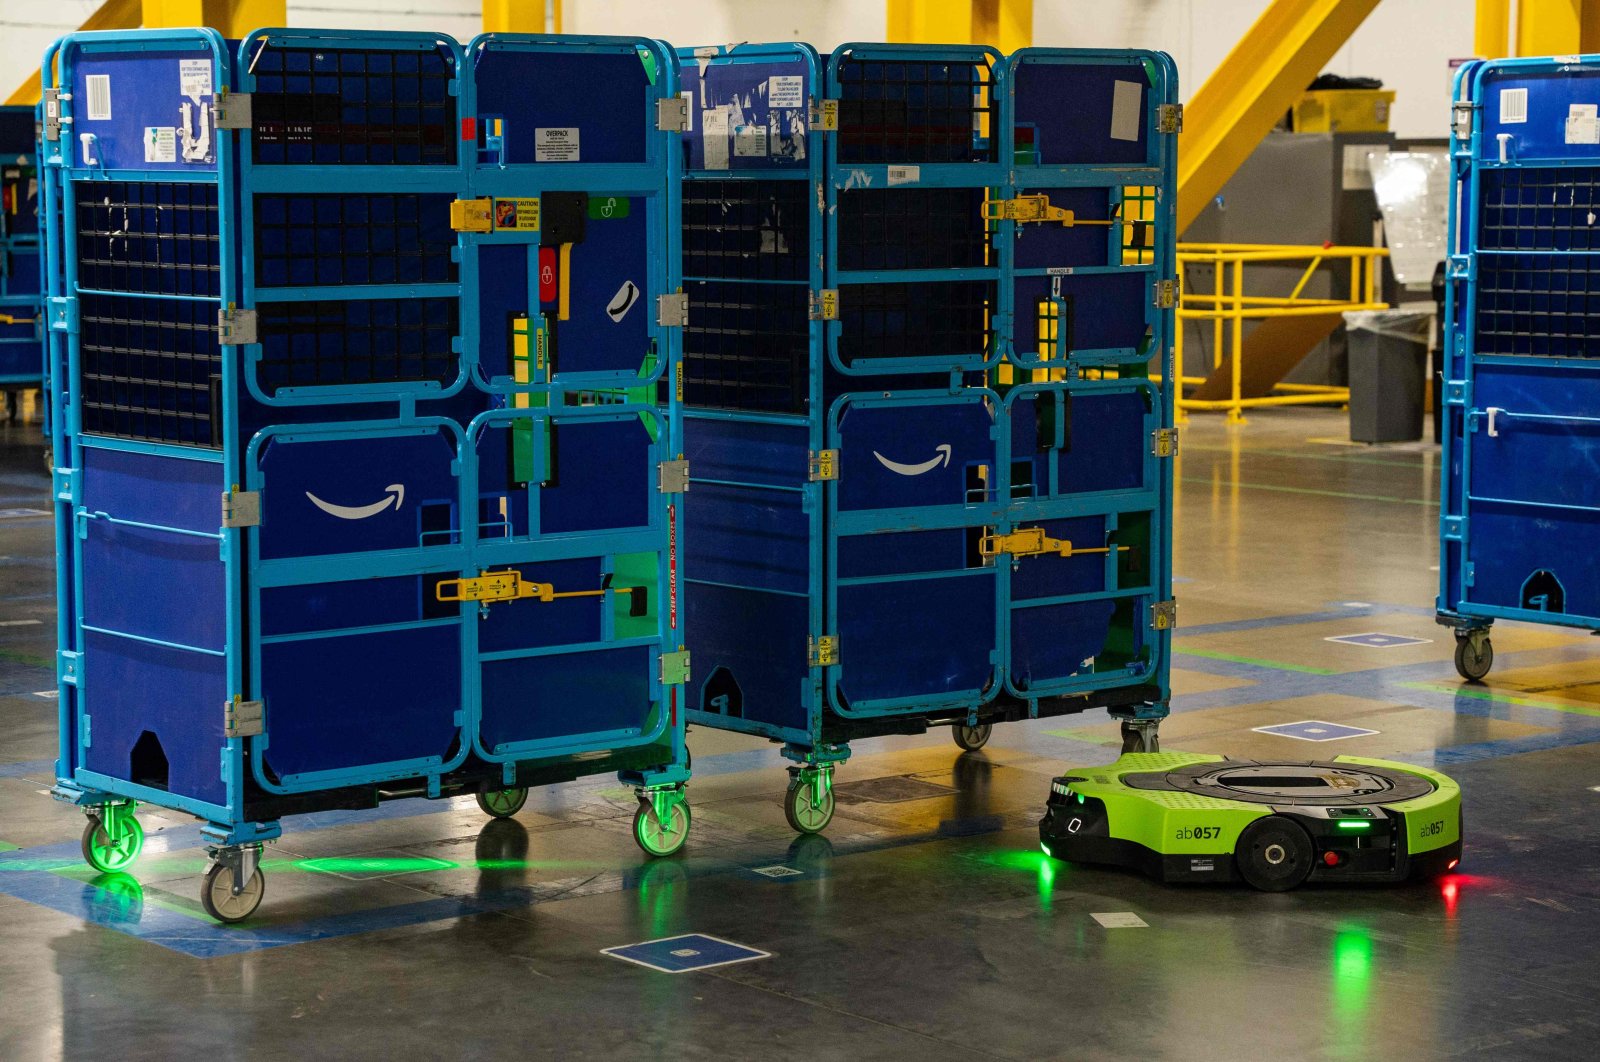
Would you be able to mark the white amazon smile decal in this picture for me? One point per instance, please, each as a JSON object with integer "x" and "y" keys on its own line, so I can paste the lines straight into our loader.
{"x": 941, "y": 457}
{"x": 396, "y": 495}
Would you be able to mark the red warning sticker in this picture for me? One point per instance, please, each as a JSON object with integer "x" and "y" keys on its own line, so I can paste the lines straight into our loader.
{"x": 547, "y": 274}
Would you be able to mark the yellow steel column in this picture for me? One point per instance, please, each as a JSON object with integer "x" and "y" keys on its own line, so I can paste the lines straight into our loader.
{"x": 233, "y": 18}
{"x": 1003, "y": 24}
{"x": 1547, "y": 27}
{"x": 1491, "y": 32}
{"x": 1262, "y": 77}
{"x": 521, "y": 16}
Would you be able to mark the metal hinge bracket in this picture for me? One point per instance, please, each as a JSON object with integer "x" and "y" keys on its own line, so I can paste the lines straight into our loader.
{"x": 675, "y": 668}
{"x": 823, "y": 465}
{"x": 1166, "y": 294}
{"x": 232, "y": 110}
{"x": 236, "y": 328}
{"x": 1164, "y": 442}
{"x": 825, "y": 305}
{"x": 672, "y": 114}
{"x": 241, "y": 508}
{"x": 242, "y": 718}
{"x": 1462, "y": 113}
{"x": 52, "y": 114}
{"x": 822, "y": 652}
{"x": 1163, "y": 615}
{"x": 824, "y": 115}
{"x": 672, "y": 311}
{"x": 1169, "y": 118}
{"x": 672, "y": 477}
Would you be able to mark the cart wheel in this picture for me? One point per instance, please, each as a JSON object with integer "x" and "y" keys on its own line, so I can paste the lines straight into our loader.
{"x": 503, "y": 803}
{"x": 1274, "y": 854}
{"x": 1473, "y": 661}
{"x": 971, "y": 738}
{"x": 217, "y": 896}
{"x": 1137, "y": 738}
{"x": 659, "y": 838}
{"x": 806, "y": 813}
{"x": 106, "y": 853}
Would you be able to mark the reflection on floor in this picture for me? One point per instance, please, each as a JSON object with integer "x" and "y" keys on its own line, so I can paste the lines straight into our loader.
{"x": 926, "y": 921}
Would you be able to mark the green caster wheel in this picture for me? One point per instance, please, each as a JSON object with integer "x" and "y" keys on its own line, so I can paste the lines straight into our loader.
{"x": 225, "y": 905}
{"x": 112, "y": 839}
{"x": 503, "y": 803}
{"x": 658, "y": 837}
{"x": 808, "y": 805}
{"x": 971, "y": 738}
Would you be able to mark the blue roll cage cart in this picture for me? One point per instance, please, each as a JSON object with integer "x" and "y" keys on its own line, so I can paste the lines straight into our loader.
{"x": 21, "y": 329}
{"x": 930, "y": 465}
{"x": 407, "y": 309}
{"x": 1520, "y": 512}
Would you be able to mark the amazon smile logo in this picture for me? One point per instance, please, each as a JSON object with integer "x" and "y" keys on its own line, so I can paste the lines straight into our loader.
{"x": 941, "y": 456}
{"x": 396, "y": 496}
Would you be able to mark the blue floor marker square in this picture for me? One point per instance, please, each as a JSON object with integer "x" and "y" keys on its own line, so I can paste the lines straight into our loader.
{"x": 1313, "y": 730}
{"x": 692, "y": 951}
{"x": 1375, "y": 640}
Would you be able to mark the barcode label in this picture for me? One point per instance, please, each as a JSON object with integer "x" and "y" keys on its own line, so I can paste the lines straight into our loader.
{"x": 98, "y": 88}
{"x": 1513, "y": 106}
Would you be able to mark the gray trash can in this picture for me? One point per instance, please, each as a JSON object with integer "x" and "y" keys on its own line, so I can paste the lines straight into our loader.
{"x": 1388, "y": 373}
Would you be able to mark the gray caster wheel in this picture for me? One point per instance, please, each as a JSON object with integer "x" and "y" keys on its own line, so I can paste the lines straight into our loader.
{"x": 1137, "y": 737}
{"x": 225, "y": 905}
{"x": 1474, "y": 657}
{"x": 808, "y": 805}
{"x": 502, "y": 803}
{"x": 971, "y": 738}
{"x": 661, "y": 834}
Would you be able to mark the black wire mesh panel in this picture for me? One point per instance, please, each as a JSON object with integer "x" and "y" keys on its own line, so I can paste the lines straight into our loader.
{"x": 915, "y": 110}
{"x": 353, "y": 106}
{"x": 158, "y": 238}
{"x": 945, "y": 320}
{"x": 1545, "y": 302}
{"x": 311, "y": 240}
{"x": 746, "y": 230}
{"x": 149, "y": 369}
{"x": 747, "y": 347}
{"x": 364, "y": 341}
{"x": 912, "y": 228}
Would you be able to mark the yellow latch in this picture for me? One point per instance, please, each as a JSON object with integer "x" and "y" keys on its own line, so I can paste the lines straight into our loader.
{"x": 472, "y": 215}
{"x": 1034, "y": 208}
{"x": 508, "y": 586}
{"x": 1033, "y": 542}
{"x": 6, "y": 318}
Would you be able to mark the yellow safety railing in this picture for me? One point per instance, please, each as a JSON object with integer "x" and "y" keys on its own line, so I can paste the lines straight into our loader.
{"x": 1228, "y": 307}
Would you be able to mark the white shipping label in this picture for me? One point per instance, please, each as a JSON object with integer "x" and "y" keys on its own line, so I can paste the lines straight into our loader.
{"x": 786, "y": 92}
{"x": 194, "y": 75}
{"x": 97, "y": 108}
{"x": 556, "y": 145}
{"x": 715, "y": 137}
{"x": 160, "y": 143}
{"x": 1127, "y": 98}
{"x": 1583, "y": 123}
{"x": 751, "y": 140}
{"x": 904, "y": 174}
{"x": 1513, "y": 106}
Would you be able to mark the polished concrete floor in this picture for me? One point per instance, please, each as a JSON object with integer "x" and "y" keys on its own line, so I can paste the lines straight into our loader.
{"x": 925, "y": 924}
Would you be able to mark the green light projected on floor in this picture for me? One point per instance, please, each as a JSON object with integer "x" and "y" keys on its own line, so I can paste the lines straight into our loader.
{"x": 374, "y": 865}
{"x": 1352, "y": 971}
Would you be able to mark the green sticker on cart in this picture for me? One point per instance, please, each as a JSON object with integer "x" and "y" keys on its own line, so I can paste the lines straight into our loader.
{"x": 606, "y": 207}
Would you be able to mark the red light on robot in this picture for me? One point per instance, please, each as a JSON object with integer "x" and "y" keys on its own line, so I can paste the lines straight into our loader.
{"x": 1331, "y": 858}
{"x": 1453, "y": 864}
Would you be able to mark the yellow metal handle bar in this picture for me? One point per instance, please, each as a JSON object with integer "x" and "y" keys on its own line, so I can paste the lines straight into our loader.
{"x": 509, "y": 586}
{"x": 6, "y": 318}
{"x": 1035, "y": 208}
{"x": 1033, "y": 542}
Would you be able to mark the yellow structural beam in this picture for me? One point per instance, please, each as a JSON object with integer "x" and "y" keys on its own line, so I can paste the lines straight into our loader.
{"x": 522, "y": 16}
{"x": 1536, "y": 27}
{"x": 1003, "y": 24}
{"x": 1267, "y": 71}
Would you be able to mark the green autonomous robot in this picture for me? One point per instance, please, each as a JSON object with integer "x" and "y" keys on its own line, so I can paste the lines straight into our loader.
{"x": 1182, "y": 817}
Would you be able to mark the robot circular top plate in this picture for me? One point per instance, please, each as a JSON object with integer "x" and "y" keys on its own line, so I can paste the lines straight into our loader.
{"x": 1281, "y": 782}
